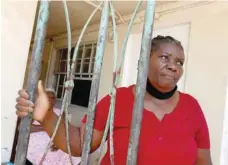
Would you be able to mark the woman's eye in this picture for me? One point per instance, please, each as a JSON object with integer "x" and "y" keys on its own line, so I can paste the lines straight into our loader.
{"x": 180, "y": 63}
{"x": 164, "y": 57}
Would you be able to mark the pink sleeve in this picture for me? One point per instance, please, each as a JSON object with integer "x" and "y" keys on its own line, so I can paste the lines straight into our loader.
{"x": 202, "y": 132}
{"x": 101, "y": 114}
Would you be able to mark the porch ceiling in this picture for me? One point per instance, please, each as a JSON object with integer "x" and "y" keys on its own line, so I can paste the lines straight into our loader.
{"x": 80, "y": 11}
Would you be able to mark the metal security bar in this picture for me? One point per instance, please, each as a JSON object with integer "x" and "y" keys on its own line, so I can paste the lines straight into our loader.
{"x": 34, "y": 73}
{"x": 141, "y": 83}
{"x": 95, "y": 82}
{"x": 140, "y": 87}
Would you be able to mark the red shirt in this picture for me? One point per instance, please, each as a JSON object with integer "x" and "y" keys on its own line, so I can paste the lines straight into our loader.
{"x": 172, "y": 141}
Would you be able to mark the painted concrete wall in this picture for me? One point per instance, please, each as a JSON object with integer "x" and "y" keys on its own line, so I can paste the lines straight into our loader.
{"x": 17, "y": 24}
{"x": 207, "y": 70}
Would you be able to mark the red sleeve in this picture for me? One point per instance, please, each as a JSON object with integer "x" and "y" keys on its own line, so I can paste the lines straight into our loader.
{"x": 202, "y": 132}
{"x": 101, "y": 114}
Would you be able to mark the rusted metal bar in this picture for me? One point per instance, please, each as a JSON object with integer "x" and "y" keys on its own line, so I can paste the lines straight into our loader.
{"x": 95, "y": 82}
{"x": 141, "y": 83}
{"x": 34, "y": 73}
{"x": 116, "y": 77}
{"x": 113, "y": 91}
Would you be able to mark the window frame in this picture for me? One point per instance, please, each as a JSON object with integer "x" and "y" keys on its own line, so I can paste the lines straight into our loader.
{"x": 82, "y": 74}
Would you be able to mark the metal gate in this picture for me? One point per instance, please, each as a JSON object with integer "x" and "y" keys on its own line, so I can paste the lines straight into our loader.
{"x": 41, "y": 27}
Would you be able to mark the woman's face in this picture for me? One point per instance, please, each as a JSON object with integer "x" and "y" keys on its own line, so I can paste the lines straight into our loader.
{"x": 166, "y": 66}
{"x": 51, "y": 97}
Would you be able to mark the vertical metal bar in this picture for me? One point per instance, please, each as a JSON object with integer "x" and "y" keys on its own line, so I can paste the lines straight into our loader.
{"x": 116, "y": 77}
{"x": 33, "y": 77}
{"x": 141, "y": 83}
{"x": 115, "y": 81}
{"x": 95, "y": 82}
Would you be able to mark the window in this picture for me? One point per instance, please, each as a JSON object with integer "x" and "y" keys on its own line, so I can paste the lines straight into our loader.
{"x": 82, "y": 76}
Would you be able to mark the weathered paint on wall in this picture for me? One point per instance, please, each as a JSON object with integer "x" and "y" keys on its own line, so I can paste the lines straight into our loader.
{"x": 17, "y": 24}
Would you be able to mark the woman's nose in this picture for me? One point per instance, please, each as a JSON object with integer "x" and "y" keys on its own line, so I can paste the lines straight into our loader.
{"x": 172, "y": 66}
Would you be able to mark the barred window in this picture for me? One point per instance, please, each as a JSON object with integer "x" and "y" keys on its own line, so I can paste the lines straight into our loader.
{"x": 82, "y": 76}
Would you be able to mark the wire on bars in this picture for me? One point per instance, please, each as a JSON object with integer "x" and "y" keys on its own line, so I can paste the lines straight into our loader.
{"x": 68, "y": 79}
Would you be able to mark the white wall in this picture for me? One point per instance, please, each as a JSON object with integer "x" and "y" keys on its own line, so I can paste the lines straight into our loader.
{"x": 17, "y": 24}
{"x": 207, "y": 70}
{"x": 224, "y": 142}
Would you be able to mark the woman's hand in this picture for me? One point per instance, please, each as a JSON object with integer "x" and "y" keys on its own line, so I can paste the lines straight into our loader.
{"x": 39, "y": 109}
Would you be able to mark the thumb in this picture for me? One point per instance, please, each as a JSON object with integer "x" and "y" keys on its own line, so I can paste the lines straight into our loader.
{"x": 40, "y": 87}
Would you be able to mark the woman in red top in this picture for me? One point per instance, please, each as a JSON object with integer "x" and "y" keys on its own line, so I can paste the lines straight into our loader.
{"x": 174, "y": 130}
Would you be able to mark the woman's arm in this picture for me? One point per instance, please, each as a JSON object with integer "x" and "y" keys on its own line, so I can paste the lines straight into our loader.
{"x": 204, "y": 157}
{"x": 96, "y": 138}
{"x": 202, "y": 138}
{"x": 76, "y": 138}
{"x": 36, "y": 128}
{"x": 42, "y": 113}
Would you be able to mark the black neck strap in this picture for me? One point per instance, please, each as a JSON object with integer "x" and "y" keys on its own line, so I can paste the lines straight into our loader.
{"x": 157, "y": 94}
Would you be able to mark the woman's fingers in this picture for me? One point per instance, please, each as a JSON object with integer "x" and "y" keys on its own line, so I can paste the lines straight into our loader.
{"x": 21, "y": 114}
{"x": 22, "y": 108}
{"x": 23, "y": 94}
{"x": 24, "y": 102}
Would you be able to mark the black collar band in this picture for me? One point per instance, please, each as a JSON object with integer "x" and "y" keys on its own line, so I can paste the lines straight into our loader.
{"x": 157, "y": 94}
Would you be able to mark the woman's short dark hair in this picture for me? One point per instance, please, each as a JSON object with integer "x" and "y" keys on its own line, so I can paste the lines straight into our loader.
{"x": 157, "y": 41}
